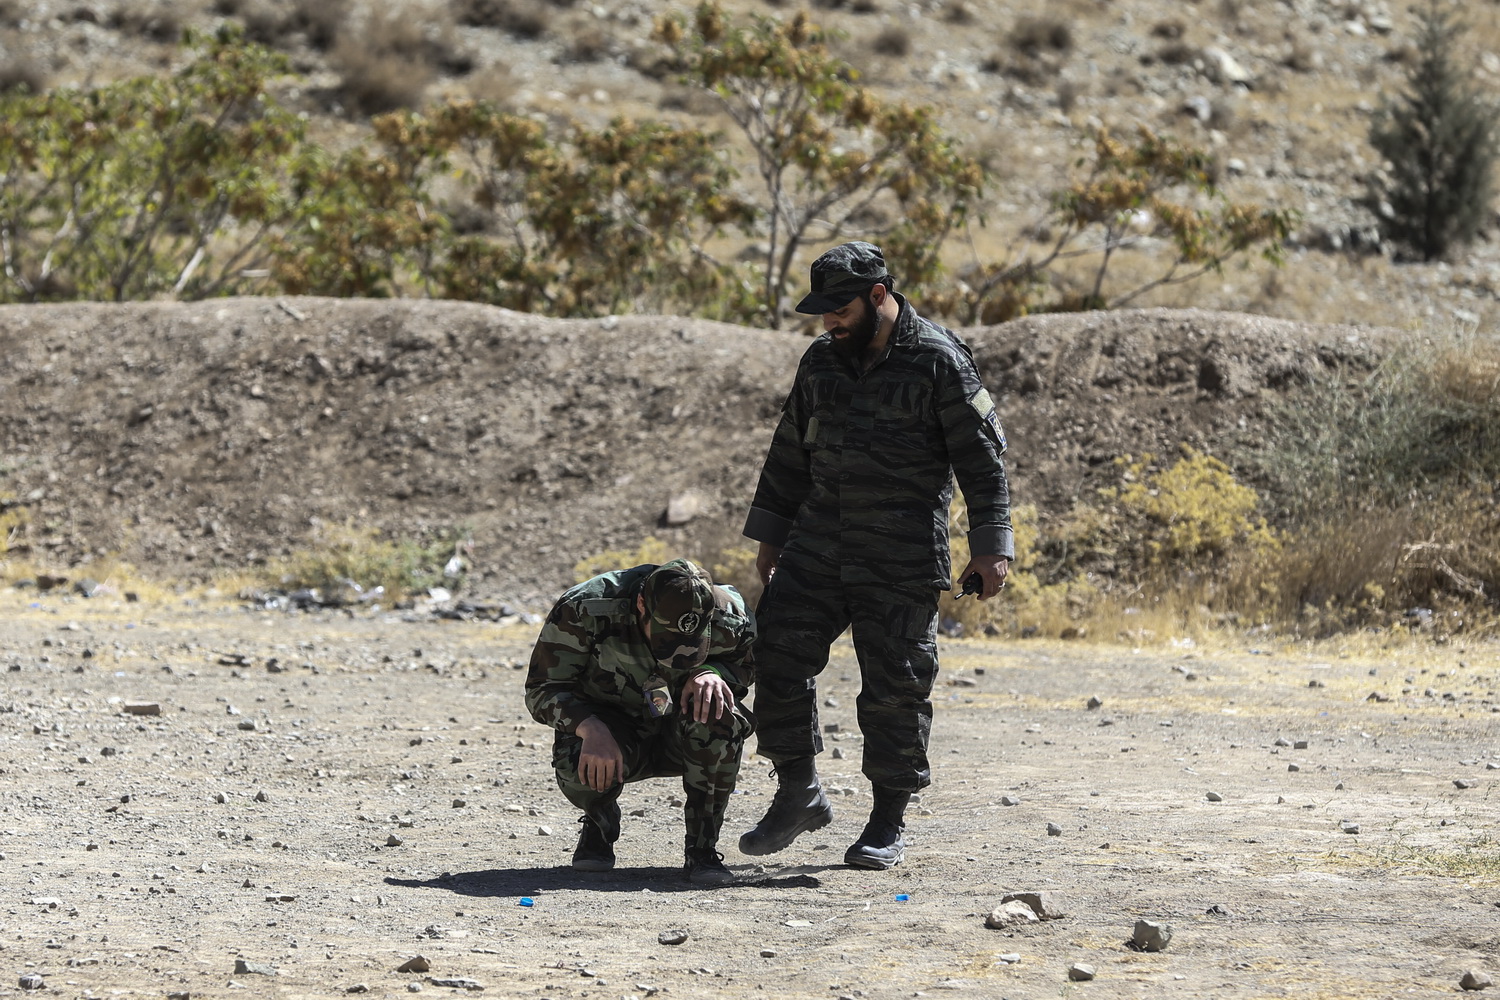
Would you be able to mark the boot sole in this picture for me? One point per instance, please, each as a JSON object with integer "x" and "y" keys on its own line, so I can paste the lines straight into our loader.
{"x": 593, "y": 865}
{"x": 817, "y": 822}
{"x": 854, "y": 860}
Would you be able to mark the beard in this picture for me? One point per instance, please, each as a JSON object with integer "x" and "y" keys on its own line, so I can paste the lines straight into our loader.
{"x": 860, "y": 336}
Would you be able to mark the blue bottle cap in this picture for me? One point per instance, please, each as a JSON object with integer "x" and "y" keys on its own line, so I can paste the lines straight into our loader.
{"x": 902, "y": 897}
{"x": 527, "y": 901}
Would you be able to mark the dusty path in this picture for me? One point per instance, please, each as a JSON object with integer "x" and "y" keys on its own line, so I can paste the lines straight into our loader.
{"x": 141, "y": 857}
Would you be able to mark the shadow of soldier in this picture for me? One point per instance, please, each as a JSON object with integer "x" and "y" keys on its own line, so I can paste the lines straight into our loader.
{"x": 527, "y": 882}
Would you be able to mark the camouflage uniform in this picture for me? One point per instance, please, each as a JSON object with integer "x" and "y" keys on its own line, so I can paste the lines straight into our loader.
{"x": 856, "y": 486}
{"x": 592, "y": 659}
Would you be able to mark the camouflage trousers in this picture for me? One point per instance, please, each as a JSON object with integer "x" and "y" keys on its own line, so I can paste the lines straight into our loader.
{"x": 706, "y": 756}
{"x": 800, "y": 614}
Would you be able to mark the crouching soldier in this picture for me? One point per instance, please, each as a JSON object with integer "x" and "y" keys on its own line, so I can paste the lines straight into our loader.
{"x": 641, "y": 672}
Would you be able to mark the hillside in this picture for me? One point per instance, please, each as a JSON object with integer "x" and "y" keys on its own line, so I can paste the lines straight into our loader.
{"x": 188, "y": 438}
{"x": 1280, "y": 93}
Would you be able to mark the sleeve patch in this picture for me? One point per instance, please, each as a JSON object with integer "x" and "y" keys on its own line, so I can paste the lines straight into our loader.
{"x": 983, "y": 405}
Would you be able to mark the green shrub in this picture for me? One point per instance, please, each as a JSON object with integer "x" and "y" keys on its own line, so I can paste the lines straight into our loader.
{"x": 1440, "y": 140}
{"x": 349, "y": 559}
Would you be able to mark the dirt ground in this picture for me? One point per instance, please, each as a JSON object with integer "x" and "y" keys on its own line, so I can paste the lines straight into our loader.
{"x": 325, "y": 796}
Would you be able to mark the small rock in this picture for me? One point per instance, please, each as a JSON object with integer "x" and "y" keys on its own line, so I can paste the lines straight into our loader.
{"x": 142, "y": 708}
{"x": 393, "y": 841}
{"x": 1010, "y": 914}
{"x": 1282, "y": 741}
{"x": 31, "y": 981}
{"x": 1009, "y": 958}
{"x": 1044, "y": 904}
{"x": 358, "y": 988}
{"x": 417, "y": 963}
{"x": 1218, "y": 910}
{"x": 1294, "y": 767}
{"x": 244, "y": 968}
{"x": 1080, "y": 972}
{"x": 459, "y": 803}
{"x": 1475, "y": 980}
{"x": 1007, "y": 800}
{"x": 1348, "y": 827}
{"x": 837, "y": 753}
{"x": 261, "y": 796}
{"x": 1150, "y": 935}
{"x": 544, "y": 831}
{"x": 1299, "y": 745}
{"x": 457, "y": 982}
{"x": 1053, "y": 830}
{"x": 683, "y": 508}
{"x": 1095, "y": 702}
{"x": 768, "y": 953}
{"x": 1214, "y": 797}
{"x": 1464, "y": 783}
{"x": 675, "y": 936}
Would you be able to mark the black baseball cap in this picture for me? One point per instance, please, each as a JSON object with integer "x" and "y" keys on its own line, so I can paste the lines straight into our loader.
{"x": 841, "y": 274}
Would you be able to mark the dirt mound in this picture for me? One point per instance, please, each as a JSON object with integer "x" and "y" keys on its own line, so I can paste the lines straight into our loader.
{"x": 190, "y": 437}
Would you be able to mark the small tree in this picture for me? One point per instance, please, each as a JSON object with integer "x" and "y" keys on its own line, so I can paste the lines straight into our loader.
{"x": 1155, "y": 187}
{"x": 834, "y": 158}
{"x": 152, "y": 186}
{"x": 1440, "y": 141}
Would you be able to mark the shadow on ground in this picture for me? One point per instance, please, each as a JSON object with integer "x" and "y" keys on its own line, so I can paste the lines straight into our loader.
{"x": 520, "y": 882}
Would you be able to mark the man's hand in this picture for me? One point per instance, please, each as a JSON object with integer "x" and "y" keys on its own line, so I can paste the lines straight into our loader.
{"x": 601, "y": 766}
{"x": 992, "y": 570}
{"x": 766, "y": 560}
{"x": 706, "y": 695}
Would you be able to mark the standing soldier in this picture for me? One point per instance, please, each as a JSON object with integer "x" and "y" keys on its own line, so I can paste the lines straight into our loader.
{"x": 852, "y": 518}
{"x": 641, "y": 672}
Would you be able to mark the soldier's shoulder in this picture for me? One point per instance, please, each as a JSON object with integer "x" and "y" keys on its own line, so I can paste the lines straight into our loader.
{"x": 608, "y": 594}
{"x": 939, "y": 339}
{"x": 730, "y": 609}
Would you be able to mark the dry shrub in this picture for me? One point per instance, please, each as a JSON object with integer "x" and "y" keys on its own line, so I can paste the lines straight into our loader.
{"x": 892, "y": 41}
{"x": 319, "y": 20}
{"x": 1171, "y": 29}
{"x": 386, "y": 66}
{"x": 1177, "y": 54}
{"x": 959, "y": 13}
{"x": 522, "y": 18}
{"x": 11, "y": 13}
{"x": 586, "y": 42}
{"x": 160, "y": 22}
{"x": 22, "y": 75}
{"x": 1034, "y": 35}
{"x": 265, "y": 23}
{"x": 864, "y": 7}
{"x": 1067, "y": 94}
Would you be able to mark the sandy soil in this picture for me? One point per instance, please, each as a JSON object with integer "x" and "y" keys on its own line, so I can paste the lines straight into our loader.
{"x": 252, "y": 821}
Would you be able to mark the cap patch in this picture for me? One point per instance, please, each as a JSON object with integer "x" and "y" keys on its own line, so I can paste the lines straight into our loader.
{"x": 689, "y": 623}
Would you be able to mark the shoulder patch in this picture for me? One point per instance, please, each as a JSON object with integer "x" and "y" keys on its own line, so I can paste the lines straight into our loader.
{"x": 603, "y": 607}
{"x": 983, "y": 405}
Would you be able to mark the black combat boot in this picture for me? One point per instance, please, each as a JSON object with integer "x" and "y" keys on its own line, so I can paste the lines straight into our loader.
{"x": 880, "y": 846}
{"x": 798, "y": 806}
{"x": 705, "y": 867}
{"x": 596, "y": 840}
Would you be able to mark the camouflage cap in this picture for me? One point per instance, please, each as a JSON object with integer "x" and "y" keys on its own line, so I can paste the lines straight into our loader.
{"x": 841, "y": 274}
{"x": 679, "y": 600}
